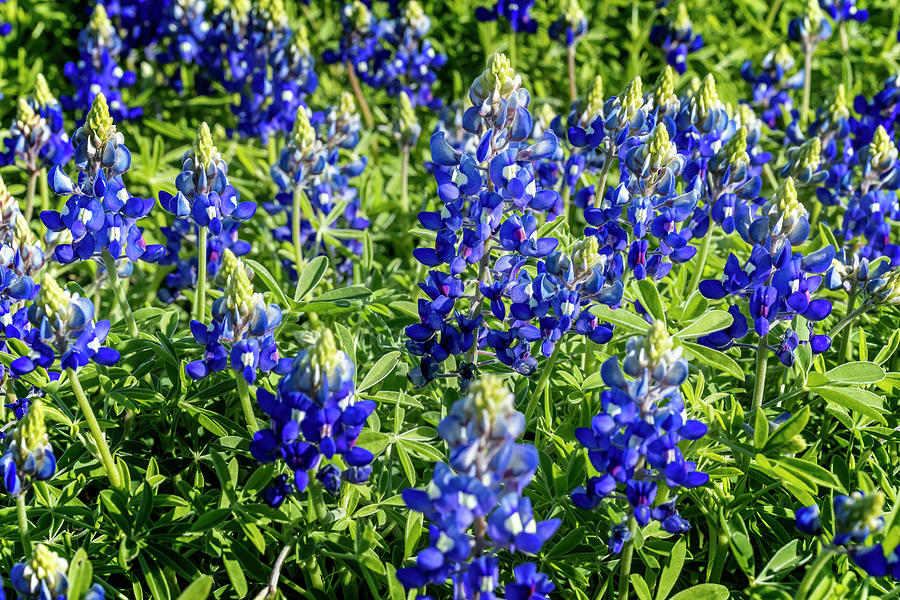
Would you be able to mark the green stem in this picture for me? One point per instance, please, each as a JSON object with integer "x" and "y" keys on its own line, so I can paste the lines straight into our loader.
{"x": 849, "y": 320}
{"x": 601, "y": 184}
{"x": 112, "y": 276}
{"x": 511, "y": 43}
{"x": 573, "y": 90}
{"x": 701, "y": 263}
{"x": 295, "y": 228}
{"x": 759, "y": 386}
{"x": 807, "y": 81}
{"x": 625, "y": 562}
{"x": 845, "y": 338}
{"x": 809, "y": 578}
{"x": 770, "y": 19}
{"x": 23, "y": 523}
{"x": 45, "y": 191}
{"x": 542, "y": 383}
{"x": 317, "y": 501}
{"x": 246, "y": 406}
{"x": 404, "y": 179}
{"x": 29, "y": 195}
{"x": 105, "y": 456}
{"x": 199, "y": 310}
{"x": 360, "y": 99}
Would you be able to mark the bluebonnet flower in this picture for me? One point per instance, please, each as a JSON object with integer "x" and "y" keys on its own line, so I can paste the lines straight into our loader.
{"x": 315, "y": 416}
{"x": 811, "y": 28}
{"x": 182, "y": 34}
{"x": 843, "y": 10}
{"x": 241, "y": 331}
{"x": 63, "y": 326}
{"x": 633, "y": 443}
{"x": 100, "y": 214}
{"x": 475, "y": 504}
{"x": 37, "y": 137}
{"x": 571, "y": 26}
{"x": 97, "y": 71}
{"x": 772, "y": 86}
{"x": 27, "y": 453}
{"x": 45, "y": 576}
{"x": 517, "y": 12}
{"x": 406, "y": 128}
{"x": 857, "y": 517}
{"x": 311, "y": 164}
{"x": 485, "y": 234}
{"x": 777, "y": 282}
{"x": 677, "y": 38}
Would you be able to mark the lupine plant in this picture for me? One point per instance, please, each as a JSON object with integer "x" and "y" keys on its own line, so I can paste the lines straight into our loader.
{"x": 623, "y": 328}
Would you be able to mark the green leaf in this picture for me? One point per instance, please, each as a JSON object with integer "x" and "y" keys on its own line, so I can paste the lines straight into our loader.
{"x": 787, "y": 430}
{"x": 235, "y": 574}
{"x": 270, "y": 282}
{"x": 412, "y": 533}
{"x": 812, "y": 471}
{"x": 310, "y": 276}
{"x": 640, "y": 587}
{"x": 694, "y": 307}
{"x": 714, "y": 358}
{"x": 855, "y": 399}
{"x": 352, "y": 292}
{"x": 379, "y": 370}
{"x": 713, "y": 320}
{"x": 743, "y": 553}
{"x": 784, "y": 558}
{"x": 621, "y": 317}
{"x": 856, "y": 372}
{"x": 760, "y": 429}
{"x": 670, "y": 573}
{"x": 651, "y": 300}
{"x": 80, "y": 574}
{"x": 704, "y": 591}
{"x": 198, "y": 590}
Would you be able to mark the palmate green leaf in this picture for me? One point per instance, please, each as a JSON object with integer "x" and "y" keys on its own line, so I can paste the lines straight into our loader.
{"x": 310, "y": 276}
{"x": 270, "y": 282}
{"x": 856, "y": 372}
{"x": 787, "y": 430}
{"x": 856, "y": 399}
{"x": 80, "y": 574}
{"x": 352, "y": 292}
{"x": 786, "y": 557}
{"x": 714, "y": 358}
{"x": 760, "y": 430}
{"x": 672, "y": 570}
{"x": 641, "y": 590}
{"x": 621, "y": 317}
{"x": 649, "y": 294}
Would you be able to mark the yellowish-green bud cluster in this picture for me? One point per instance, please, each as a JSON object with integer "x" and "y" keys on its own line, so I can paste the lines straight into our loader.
{"x": 658, "y": 344}
{"x": 744, "y": 115}
{"x": 31, "y": 432}
{"x": 25, "y": 115}
{"x": 736, "y": 148}
{"x": 860, "y": 511}
{"x": 785, "y": 206}
{"x": 585, "y": 255}
{"x": 100, "y": 20}
{"x": 6, "y": 198}
{"x": 414, "y": 12}
{"x": 664, "y": 91}
{"x": 593, "y": 106}
{"x": 814, "y": 14}
{"x": 809, "y": 155}
{"x": 42, "y": 94}
{"x": 238, "y": 289}
{"x": 839, "y": 108}
{"x": 274, "y": 10}
{"x": 347, "y": 105}
{"x": 324, "y": 354}
{"x": 23, "y": 236}
{"x": 407, "y": 121}
{"x": 500, "y": 78}
{"x": 301, "y": 39}
{"x": 783, "y": 57}
{"x": 47, "y": 566}
{"x": 358, "y": 14}
{"x": 574, "y": 14}
{"x": 99, "y": 123}
{"x": 204, "y": 149}
{"x": 882, "y": 150}
{"x": 682, "y": 20}
{"x": 707, "y": 97}
{"x": 488, "y": 396}
{"x": 660, "y": 150}
{"x": 304, "y": 136}
{"x": 632, "y": 97}
{"x": 54, "y": 300}
{"x": 544, "y": 115}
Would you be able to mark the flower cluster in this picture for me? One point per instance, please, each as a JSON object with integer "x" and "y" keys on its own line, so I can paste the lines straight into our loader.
{"x": 21, "y": 257}
{"x": 857, "y": 517}
{"x": 677, "y": 39}
{"x": 27, "y": 453}
{"x": 486, "y": 233}
{"x": 571, "y": 26}
{"x": 314, "y": 415}
{"x": 772, "y": 86}
{"x": 97, "y": 71}
{"x": 241, "y": 331}
{"x": 63, "y": 326}
{"x": 633, "y": 442}
{"x": 36, "y": 136}
{"x": 100, "y": 215}
{"x": 312, "y": 164}
{"x": 777, "y": 282}
{"x": 392, "y": 54}
{"x": 475, "y": 504}
{"x": 45, "y": 576}
{"x": 517, "y": 12}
